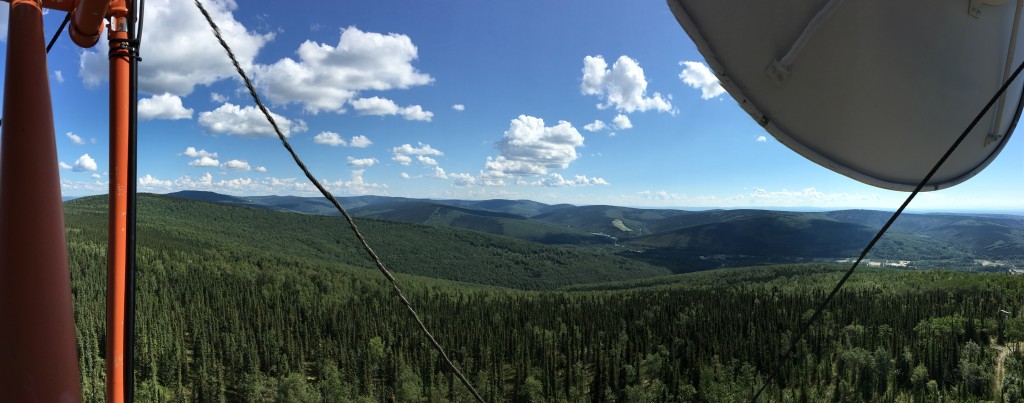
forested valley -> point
(237, 305)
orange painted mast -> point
(87, 21)
(118, 207)
(38, 359)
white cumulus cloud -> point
(63, 165)
(424, 160)
(358, 185)
(809, 196)
(529, 147)
(402, 159)
(762, 139)
(180, 50)
(596, 126)
(149, 181)
(59, 76)
(403, 153)
(362, 162)
(360, 141)
(204, 162)
(378, 106)
(333, 139)
(459, 107)
(661, 195)
(187, 182)
(326, 76)
(261, 169)
(247, 122)
(75, 138)
(622, 122)
(193, 153)
(500, 167)
(462, 179)
(163, 106)
(556, 180)
(699, 76)
(237, 183)
(622, 87)
(236, 165)
(330, 139)
(423, 149)
(486, 180)
(84, 163)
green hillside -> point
(524, 208)
(686, 241)
(213, 197)
(999, 239)
(715, 216)
(991, 236)
(603, 219)
(790, 236)
(491, 222)
(244, 304)
(766, 236)
(420, 211)
(759, 237)
(219, 324)
(432, 251)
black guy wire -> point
(821, 307)
(327, 194)
(56, 35)
(134, 17)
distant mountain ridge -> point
(681, 239)
(176, 224)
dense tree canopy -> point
(241, 320)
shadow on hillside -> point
(681, 261)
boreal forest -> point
(246, 303)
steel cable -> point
(327, 194)
(835, 290)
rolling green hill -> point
(524, 208)
(319, 205)
(686, 241)
(769, 235)
(714, 216)
(782, 234)
(213, 197)
(993, 236)
(491, 222)
(616, 221)
(433, 251)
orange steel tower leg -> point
(38, 361)
(119, 103)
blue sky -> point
(453, 99)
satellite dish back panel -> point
(874, 90)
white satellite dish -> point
(874, 90)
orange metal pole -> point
(87, 21)
(38, 359)
(118, 208)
